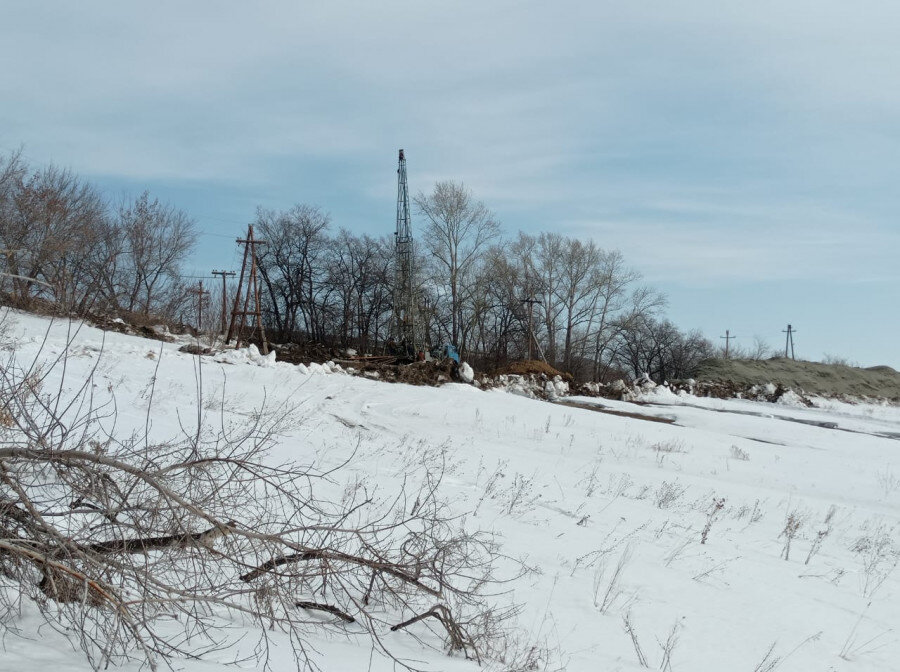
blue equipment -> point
(446, 351)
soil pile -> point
(304, 353)
(432, 373)
(532, 367)
(155, 332)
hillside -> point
(737, 535)
(832, 380)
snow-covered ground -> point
(598, 516)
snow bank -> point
(661, 394)
(251, 355)
(533, 386)
(568, 489)
(248, 355)
(792, 399)
(556, 388)
(316, 369)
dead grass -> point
(832, 380)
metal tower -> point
(403, 327)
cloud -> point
(706, 141)
(705, 243)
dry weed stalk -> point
(612, 591)
(792, 525)
(639, 652)
(717, 505)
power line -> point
(217, 235)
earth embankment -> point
(832, 380)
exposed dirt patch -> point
(194, 349)
(304, 353)
(433, 373)
(157, 333)
(622, 414)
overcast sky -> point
(743, 156)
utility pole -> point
(727, 338)
(789, 340)
(530, 300)
(225, 275)
(426, 323)
(199, 291)
(250, 244)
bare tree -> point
(500, 325)
(294, 267)
(359, 272)
(156, 240)
(761, 349)
(12, 175)
(546, 266)
(458, 231)
(51, 222)
(617, 303)
(659, 349)
(579, 291)
(62, 248)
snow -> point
(248, 355)
(791, 398)
(567, 492)
(466, 374)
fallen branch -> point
(331, 609)
(318, 554)
(459, 641)
(145, 544)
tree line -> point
(497, 297)
(66, 248)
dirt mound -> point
(107, 323)
(428, 373)
(527, 367)
(304, 353)
(887, 370)
(195, 349)
(830, 380)
(433, 373)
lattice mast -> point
(404, 332)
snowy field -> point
(598, 516)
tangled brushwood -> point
(141, 549)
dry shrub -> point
(117, 539)
(668, 494)
(737, 453)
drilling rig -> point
(403, 331)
